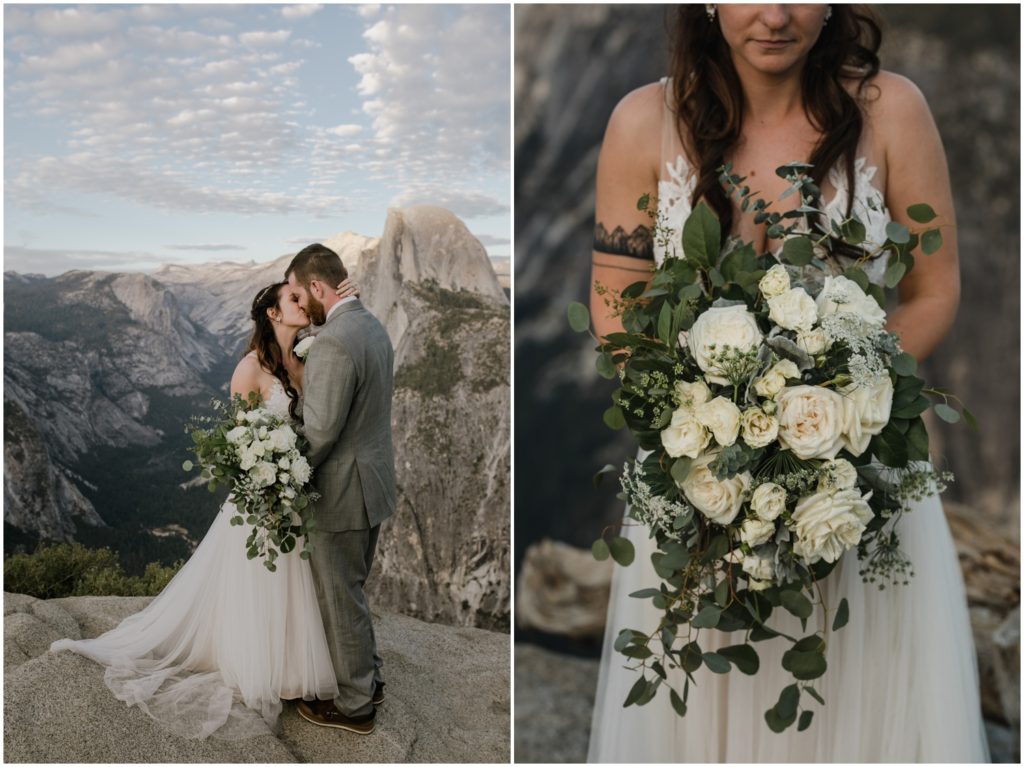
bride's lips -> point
(773, 45)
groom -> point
(347, 414)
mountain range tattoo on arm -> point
(639, 244)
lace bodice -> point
(677, 181)
(277, 401)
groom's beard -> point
(316, 312)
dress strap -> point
(671, 145)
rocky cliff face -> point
(101, 371)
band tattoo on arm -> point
(639, 244)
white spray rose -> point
(722, 417)
(759, 429)
(719, 327)
(838, 474)
(718, 500)
(841, 295)
(826, 524)
(775, 282)
(793, 310)
(282, 439)
(754, 531)
(866, 411)
(684, 435)
(768, 501)
(264, 474)
(814, 341)
(692, 393)
(301, 470)
(302, 347)
(259, 448)
(285, 463)
(248, 458)
(774, 379)
(239, 436)
(288, 492)
(811, 421)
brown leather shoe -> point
(378, 693)
(326, 714)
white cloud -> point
(368, 11)
(463, 203)
(52, 261)
(345, 130)
(76, 21)
(300, 11)
(265, 38)
(205, 247)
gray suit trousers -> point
(341, 561)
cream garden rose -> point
(721, 417)
(841, 295)
(774, 379)
(718, 500)
(720, 327)
(768, 501)
(826, 524)
(775, 282)
(793, 310)
(754, 531)
(811, 421)
(685, 435)
(758, 428)
(814, 341)
(866, 411)
(838, 474)
(692, 393)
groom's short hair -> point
(317, 262)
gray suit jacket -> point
(348, 384)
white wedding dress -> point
(902, 680)
(224, 642)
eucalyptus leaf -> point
(614, 417)
(789, 699)
(717, 663)
(600, 550)
(579, 317)
(677, 703)
(798, 251)
(707, 618)
(622, 551)
(897, 232)
(702, 236)
(690, 657)
(931, 241)
(842, 615)
(805, 720)
(605, 366)
(946, 413)
(904, 364)
(921, 213)
(796, 603)
(743, 657)
(895, 273)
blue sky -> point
(141, 135)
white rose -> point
(754, 531)
(774, 379)
(684, 435)
(262, 432)
(259, 448)
(288, 492)
(839, 474)
(301, 470)
(840, 295)
(284, 463)
(775, 282)
(866, 411)
(252, 416)
(283, 478)
(762, 570)
(264, 473)
(248, 458)
(282, 439)
(811, 421)
(793, 310)
(759, 428)
(756, 585)
(813, 341)
(302, 347)
(692, 393)
(718, 500)
(768, 501)
(239, 435)
(722, 417)
(827, 524)
(721, 327)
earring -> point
(828, 15)
(712, 9)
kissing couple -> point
(227, 640)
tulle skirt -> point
(223, 643)
(901, 684)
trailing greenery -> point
(72, 570)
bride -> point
(227, 640)
(761, 86)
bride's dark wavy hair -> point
(709, 95)
(264, 342)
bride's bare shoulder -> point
(247, 376)
(635, 123)
(894, 106)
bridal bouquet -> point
(783, 424)
(258, 453)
